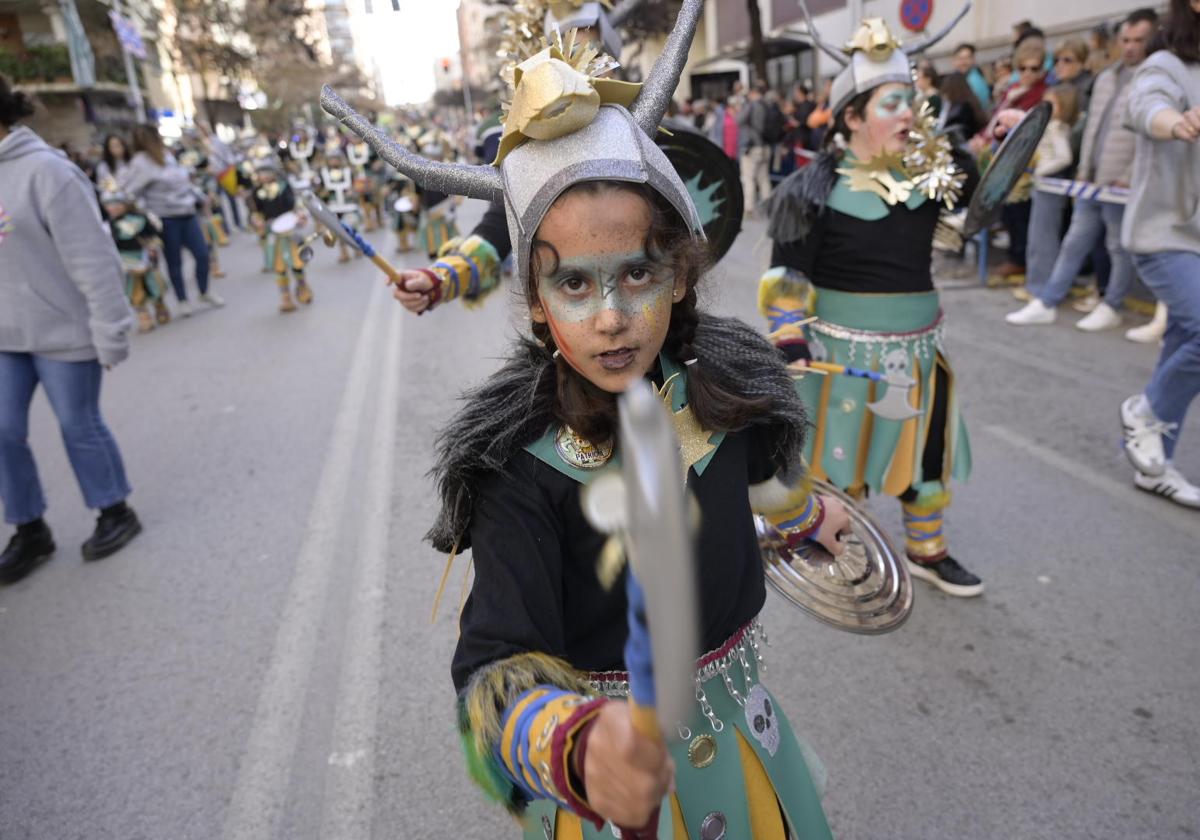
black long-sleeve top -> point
(888, 255)
(535, 558)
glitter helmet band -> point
(873, 57)
(537, 173)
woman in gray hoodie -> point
(63, 317)
(164, 188)
(1162, 231)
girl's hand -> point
(834, 527)
(1006, 120)
(412, 290)
(626, 774)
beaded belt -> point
(924, 341)
(747, 642)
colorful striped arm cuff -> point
(539, 731)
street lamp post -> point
(135, 89)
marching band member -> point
(137, 239)
(275, 206)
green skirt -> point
(851, 446)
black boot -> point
(115, 527)
(29, 548)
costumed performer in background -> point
(853, 235)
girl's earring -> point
(557, 354)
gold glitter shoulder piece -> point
(926, 166)
(929, 159)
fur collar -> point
(800, 198)
(514, 407)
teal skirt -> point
(852, 447)
(739, 747)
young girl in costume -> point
(610, 248)
(137, 240)
(853, 235)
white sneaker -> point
(1033, 313)
(1170, 485)
(1143, 436)
(184, 309)
(1103, 317)
(1152, 332)
(212, 299)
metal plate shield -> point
(1008, 165)
(866, 590)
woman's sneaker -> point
(947, 575)
(1170, 485)
(1143, 436)
(212, 299)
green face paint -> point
(894, 103)
(582, 287)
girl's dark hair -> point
(108, 155)
(591, 411)
(857, 105)
(147, 139)
(14, 105)
(957, 90)
(1181, 34)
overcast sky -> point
(406, 43)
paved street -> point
(260, 663)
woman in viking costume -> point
(610, 248)
(527, 23)
(853, 235)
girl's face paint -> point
(884, 129)
(607, 302)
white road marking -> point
(1124, 492)
(350, 784)
(264, 774)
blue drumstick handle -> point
(639, 658)
(363, 244)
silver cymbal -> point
(866, 590)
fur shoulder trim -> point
(800, 198)
(513, 408)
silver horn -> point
(920, 46)
(450, 178)
(814, 36)
(651, 104)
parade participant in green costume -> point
(853, 235)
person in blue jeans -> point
(1162, 230)
(164, 188)
(1106, 159)
(63, 319)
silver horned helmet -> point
(872, 57)
(616, 145)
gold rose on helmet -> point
(558, 91)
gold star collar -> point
(694, 441)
